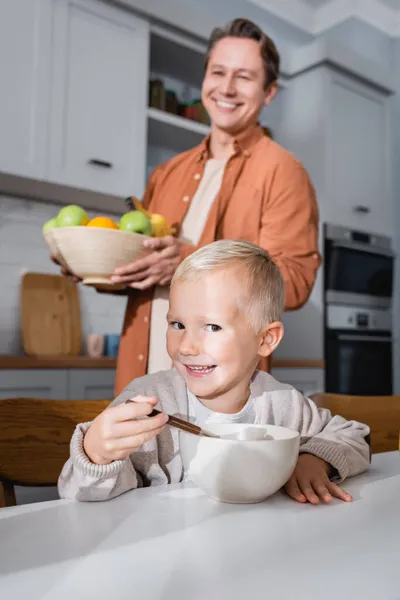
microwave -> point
(358, 268)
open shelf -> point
(174, 57)
(166, 130)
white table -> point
(173, 543)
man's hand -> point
(155, 269)
(117, 431)
(310, 482)
(65, 271)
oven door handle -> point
(364, 338)
(379, 250)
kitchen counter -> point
(297, 363)
(56, 362)
(87, 362)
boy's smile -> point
(199, 371)
(210, 340)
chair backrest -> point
(380, 413)
(34, 439)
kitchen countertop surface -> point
(87, 362)
(56, 362)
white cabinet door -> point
(99, 97)
(25, 51)
(91, 384)
(306, 381)
(34, 383)
(358, 156)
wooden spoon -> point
(184, 425)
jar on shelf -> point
(171, 102)
(157, 95)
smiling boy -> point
(225, 307)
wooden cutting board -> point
(50, 315)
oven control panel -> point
(362, 319)
(358, 319)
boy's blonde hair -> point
(263, 291)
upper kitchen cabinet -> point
(99, 98)
(335, 118)
(25, 50)
(359, 155)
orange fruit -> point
(103, 222)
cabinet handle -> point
(361, 209)
(100, 163)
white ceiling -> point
(316, 16)
(316, 3)
(392, 3)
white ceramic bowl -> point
(240, 472)
(93, 253)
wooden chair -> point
(380, 413)
(34, 440)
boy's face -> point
(210, 340)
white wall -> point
(22, 248)
(220, 12)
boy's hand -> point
(117, 431)
(310, 482)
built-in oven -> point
(358, 268)
(358, 351)
(358, 288)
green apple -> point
(71, 216)
(52, 224)
(135, 221)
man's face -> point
(234, 89)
